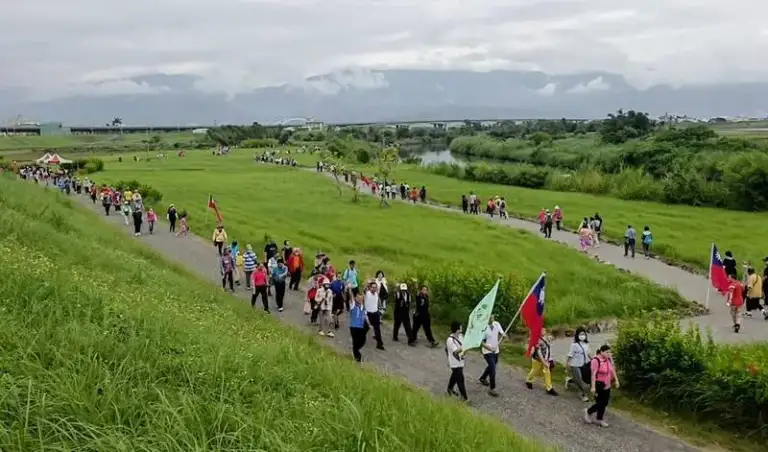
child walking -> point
(183, 227)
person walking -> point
(351, 281)
(295, 267)
(547, 224)
(259, 282)
(490, 349)
(250, 261)
(730, 266)
(541, 365)
(287, 250)
(171, 215)
(402, 314)
(138, 217)
(219, 238)
(324, 304)
(106, 202)
(603, 373)
(754, 290)
(371, 301)
(630, 235)
(358, 327)
(455, 352)
(381, 282)
(647, 241)
(337, 287)
(126, 209)
(422, 318)
(151, 219)
(227, 267)
(577, 364)
(557, 217)
(279, 275)
(734, 299)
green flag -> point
(478, 319)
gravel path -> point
(554, 420)
(689, 285)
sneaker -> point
(434, 344)
(748, 314)
(483, 382)
(568, 382)
(736, 328)
(493, 393)
(452, 392)
(279, 309)
(584, 398)
(394, 339)
(602, 424)
(330, 334)
(381, 347)
(321, 333)
(552, 392)
(529, 385)
(411, 344)
(765, 314)
(587, 416)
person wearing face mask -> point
(577, 364)
(490, 348)
(541, 364)
(603, 373)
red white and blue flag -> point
(717, 275)
(533, 313)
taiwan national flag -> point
(212, 205)
(717, 274)
(532, 312)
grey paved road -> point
(555, 420)
(691, 286)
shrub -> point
(148, 194)
(681, 371)
(259, 143)
(455, 290)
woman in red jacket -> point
(260, 283)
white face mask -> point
(582, 337)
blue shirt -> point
(337, 287)
(249, 261)
(357, 317)
(350, 277)
(279, 274)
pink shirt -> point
(604, 369)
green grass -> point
(682, 234)
(257, 200)
(108, 347)
(17, 143)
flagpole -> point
(709, 275)
(543, 274)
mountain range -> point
(391, 95)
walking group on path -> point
(417, 366)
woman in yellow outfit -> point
(541, 364)
(219, 238)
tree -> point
(386, 162)
(620, 127)
(541, 139)
(117, 122)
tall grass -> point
(107, 347)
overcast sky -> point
(65, 46)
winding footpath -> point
(689, 285)
(552, 420)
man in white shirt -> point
(455, 351)
(490, 349)
(371, 303)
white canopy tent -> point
(52, 159)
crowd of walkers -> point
(748, 294)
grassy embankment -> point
(106, 346)
(258, 200)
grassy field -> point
(16, 144)
(108, 347)
(683, 234)
(258, 200)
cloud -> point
(596, 84)
(548, 89)
(234, 46)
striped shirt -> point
(249, 261)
